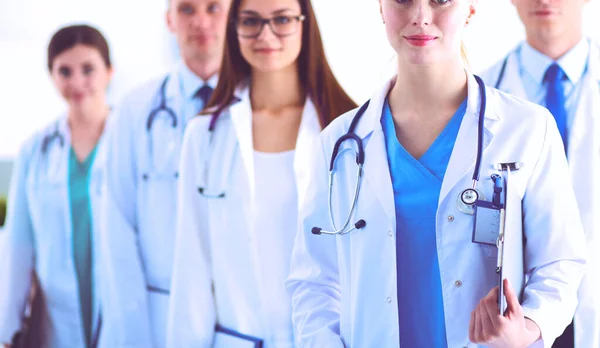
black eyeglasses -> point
(252, 26)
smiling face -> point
(425, 32)
(273, 46)
(199, 26)
(81, 76)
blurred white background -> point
(142, 48)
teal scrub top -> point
(81, 220)
(417, 184)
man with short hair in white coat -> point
(559, 68)
(139, 203)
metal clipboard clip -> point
(506, 168)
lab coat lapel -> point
(511, 81)
(174, 98)
(95, 192)
(377, 172)
(306, 144)
(241, 117)
(376, 169)
(63, 176)
(57, 154)
(464, 154)
(584, 121)
(584, 146)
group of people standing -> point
(199, 204)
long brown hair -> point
(316, 76)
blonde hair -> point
(463, 53)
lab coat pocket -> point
(158, 201)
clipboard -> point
(228, 338)
(511, 254)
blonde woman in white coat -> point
(410, 269)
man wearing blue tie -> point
(559, 68)
(141, 173)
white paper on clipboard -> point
(513, 266)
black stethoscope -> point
(502, 73)
(56, 135)
(466, 199)
(204, 190)
(161, 108)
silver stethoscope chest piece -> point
(467, 198)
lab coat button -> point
(458, 283)
(450, 218)
(389, 300)
(390, 233)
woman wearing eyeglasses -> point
(242, 175)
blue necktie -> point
(555, 99)
(204, 94)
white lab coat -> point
(584, 165)
(139, 214)
(38, 235)
(216, 241)
(344, 288)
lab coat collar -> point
(594, 62)
(462, 159)
(576, 60)
(183, 83)
(511, 80)
(241, 118)
(371, 120)
(62, 124)
(63, 128)
(573, 63)
(464, 154)
(588, 100)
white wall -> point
(134, 28)
(353, 33)
(361, 57)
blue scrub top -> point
(81, 220)
(417, 184)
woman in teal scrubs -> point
(52, 210)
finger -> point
(472, 327)
(491, 306)
(487, 328)
(512, 301)
(478, 328)
(492, 292)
